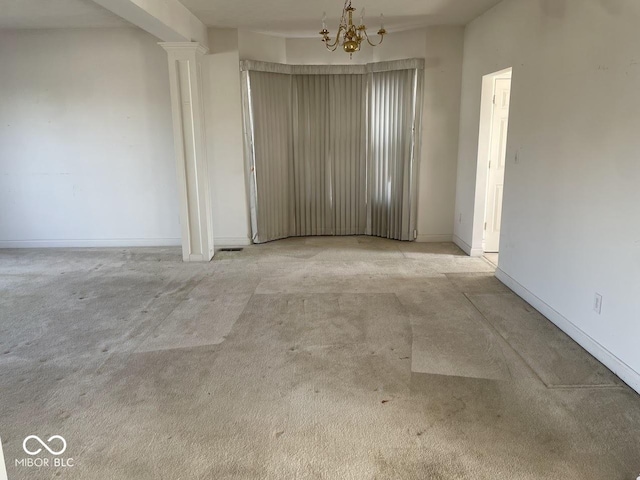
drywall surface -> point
(225, 149)
(440, 121)
(257, 46)
(86, 150)
(570, 219)
(441, 48)
(311, 51)
(222, 40)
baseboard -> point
(608, 359)
(92, 243)
(434, 238)
(466, 248)
(118, 242)
(231, 242)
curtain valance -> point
(256, 66)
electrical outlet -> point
(597, 303)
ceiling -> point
(303, 17)
(299, 18)
(56, 14)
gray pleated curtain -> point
(394, 120)
(332, 153)
(272, 169)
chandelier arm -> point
(331, 48)
(334, 45)
(370, 42)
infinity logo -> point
(37, 439)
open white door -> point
(497, 159)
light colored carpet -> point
(322, 358)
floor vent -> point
(231, 249)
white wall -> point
(311, 51)
(570, 221)
(224, 129)
(257, 46)
(441, 48)
(86, 151)
(222, 40)
(441, 117)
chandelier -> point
(350, 36)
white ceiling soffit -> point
(298, 18)
(56, 14)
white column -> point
(185, 77)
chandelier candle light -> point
(349, 35)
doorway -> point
(492, 159)
(496, 162)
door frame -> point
(484, 152)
